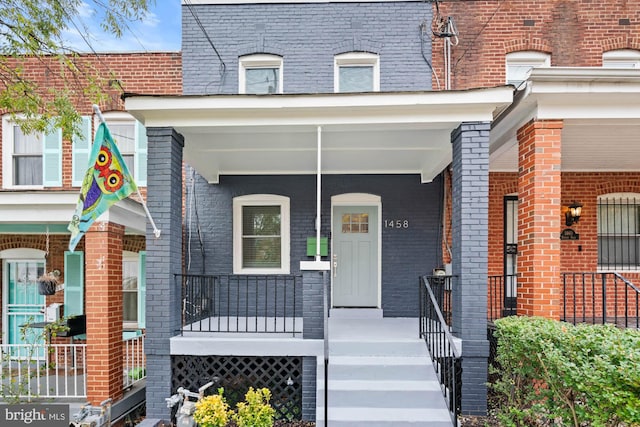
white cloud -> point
(159, 30)
(150, 19)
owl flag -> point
(107, 180)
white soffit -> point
(361, 133)
(37, 207)
(600, 108)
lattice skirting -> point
(237, 373)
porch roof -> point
(600, 108)
(362, 133)
(19, 210)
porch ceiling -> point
(600, 108)
(382, 133)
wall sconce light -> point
(572, 215)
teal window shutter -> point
(142, 288)
(81, 149)
(52, 159)
(141, 155)
(73, 283)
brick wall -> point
(307, 36)
(574, 32)
(575, 255)
(144, 73)
(406, 253)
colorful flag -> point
(107, 180)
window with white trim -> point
(30, 160)
(356, 72)
(261, 234)
(619, 232)
(133, 287)
(621, 58)
(260, 74)
(131, 138)
(520, 64)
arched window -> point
(621, 58)
(260, 74)
(261, 234)
(520, 64)
(356, 72)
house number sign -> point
(396, 223)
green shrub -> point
(255, 411)
(212, 411)
(555, 373)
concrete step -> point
(403, 348)
(379, 375)
(397, 417)
(382, 398)
(379, 372)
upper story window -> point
(356, 72)
(131, 138)
(619, 232)
(30, 160)
(621, 58)
(27, 158)
(520, 64)
(260, 74)
(261, 234)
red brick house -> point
(104, 278)
(570, 136)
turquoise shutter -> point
(142, 288)
(52, 159)
(73, 283)
(81, 148)
(141, 155)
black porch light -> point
(572, 215)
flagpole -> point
(156, 231)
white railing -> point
(43, 370)
(135, 363)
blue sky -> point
(159, 31)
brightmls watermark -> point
(34, 415)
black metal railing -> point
(434, 329)
(502, 296)
(235, 303)
(600, 298)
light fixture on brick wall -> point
(572, 215)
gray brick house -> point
(311, 203)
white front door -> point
(355, 256)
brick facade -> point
(103, 300)
(149, 73)
(307, 36)
(538, 221)
(103, 246)
(573, 32)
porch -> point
(31, 371)
(586, 297)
